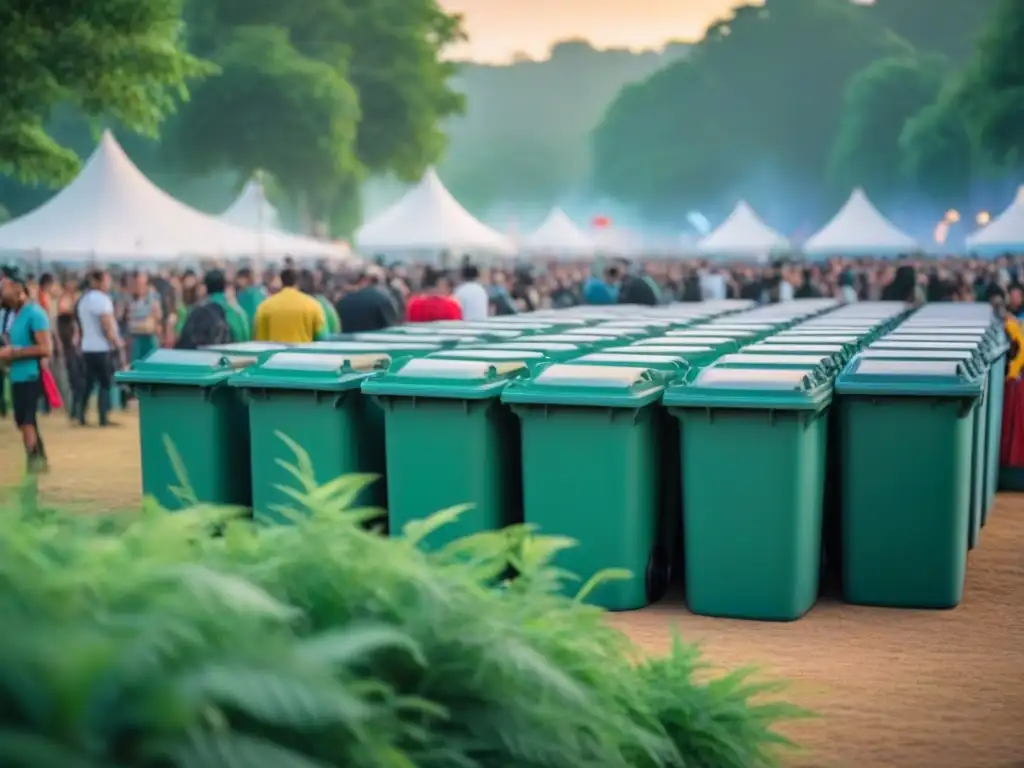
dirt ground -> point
(892, 688)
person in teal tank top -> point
(248, 295)
(145, 317)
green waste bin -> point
(246, 348)
(907, 432)
(187, 414)
(314, 400)
(449, 441)
(590, 440)
(395, 349)
(724, 344)
(839, 351)
(579, 339)
(440, 340)
(741, 335)
(528, 358)
(694, 354)
(752, 525)
(474, 334)
(669, 364)
(551, 349)
(977, 366)
(825, 363)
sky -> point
(500, 28)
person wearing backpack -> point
(216, 291)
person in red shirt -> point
(434, 301)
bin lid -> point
(918, 354)
(641, 360)
(250, 348)
(530, 345)
(737, 325)
(791, 389)
(311, 371)
(577, 384)
(493, 354)
(350, 347)
(887, 343)
(682, 350)
(944, 330)
(184, 367)
(908, 378)
(421, 338)
(732, 333)
(776, 361)
(599, 332)
(700, 341)
(809, 348)
(425, 330)
(811, 338)
(570, 338)
(432, 377)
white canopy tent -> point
(254, 212)
(859, 230)
(558, 235)
(111, 211)
(251, 208)
(742, 234)
(1004, 233)
(429, 219)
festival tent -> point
(859, 230)
(1004, 233)
(111, 211)
(253, 211)
(742, 234)
(560, 236)
(429, 219)
(251, 208)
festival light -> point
(941, 232)
(952, 217)
(983, 218)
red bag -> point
(50, 390)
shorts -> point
(25, 397)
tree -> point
(950, 29)
(540, 113)
(992, 89)
(388, 52)
(877, 104)
(755, 106)
(272, 108)
(121, 60)
(938, 154)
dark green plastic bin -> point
(449, 441)
(753, 477)
(187, 413)
(314, 400)
(694, 354)
(246, 348)
(591, 472)
(553, 350)
(907, 435)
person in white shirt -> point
(713, 286)
(100, 342)
(471, 295)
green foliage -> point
(877, 104)
(143, 640)
(271, 108)
(736, 108)
(540, 113)
(120, 60)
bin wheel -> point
(659, 574)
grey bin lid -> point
(497, 355)
(909, 378)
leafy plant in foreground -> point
(144, 641)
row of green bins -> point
(752, 525)
(600, 423)
(383, 337)
(997, 349)
(907, 435)
(246, 349)
(450, 441)
(971, 360)
(308, 407)
(973, 346)
(193, 429)
(476, 333)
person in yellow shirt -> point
(289, 316)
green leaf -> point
(235, 750)
(29, 750)
(353, 644)
(602, 577)
(415, 531)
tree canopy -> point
(123, 59)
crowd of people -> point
(64, 334)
